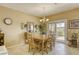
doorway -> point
(59, 30)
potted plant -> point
(43, 28)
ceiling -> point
(36, 9)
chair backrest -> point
(25, 35)
(51, 37)
(30, 38)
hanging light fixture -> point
(44, 18)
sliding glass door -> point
(58, 29)
(60, 32)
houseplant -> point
(43, 28)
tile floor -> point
(3, 50)
(58, 49)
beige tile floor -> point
(58, 49)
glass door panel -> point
(60, 31)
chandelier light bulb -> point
(47, 19)
(40, 20)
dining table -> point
(40, 39)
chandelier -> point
(44, 19)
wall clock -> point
(8, 21)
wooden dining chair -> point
(25, 38)
(50, 42)
(44, 47)
(32, 46)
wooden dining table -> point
(40, 39)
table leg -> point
(42, 48)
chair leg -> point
(33, 51)
(42, 48)
(46, 50)
(29, 49)
(51, 47)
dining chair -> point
(25, 38)
(44, 44)
(32, 46)
(51, 41)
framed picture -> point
(36, 28)
(74, 24)
(30, 26)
